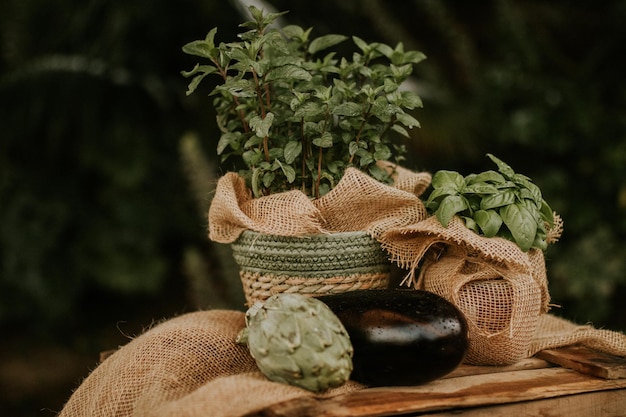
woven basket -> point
(309, 265)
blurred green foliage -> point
(93, 198)
(92, 109)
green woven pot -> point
(310, 265)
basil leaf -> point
(506, 184)
(521, 223)
(546, 213)
(487, 176)
(471, 224)
(438, 193)
(448, 179)
(497, 200)
(504, 168)
(525, 183)
(489, 222)
(540, 243)
(525, 194)
(448, 207)
(480, 188)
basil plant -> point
(502, 203)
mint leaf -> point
(324, 42)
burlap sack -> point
(189, 366)
(501, 290)
(502, 305)
(357, 203)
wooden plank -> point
(524, 364)
(587, 361)
(610, 403)
(448, 394)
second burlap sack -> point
(501, 290)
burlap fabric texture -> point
(190, 366)
(501, 290)
(357, 203)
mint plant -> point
(503, 203)
(296, 113)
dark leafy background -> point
(102, 186)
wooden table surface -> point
(571, 382)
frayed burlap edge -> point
(408, 245)
(554, 332)
(357, 203)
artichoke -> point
(299, 341)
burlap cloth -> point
(358, 202)
(187, 366)
(191, 366)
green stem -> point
(242, 115)
(319, 173)
(305, 154)
(358, 135)
(259, 93)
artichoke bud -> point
(299, 341)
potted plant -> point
(295, 118)
(482, 249)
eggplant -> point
(400, 337)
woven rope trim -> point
(263, 242)
(260, 286)
(312, 256)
